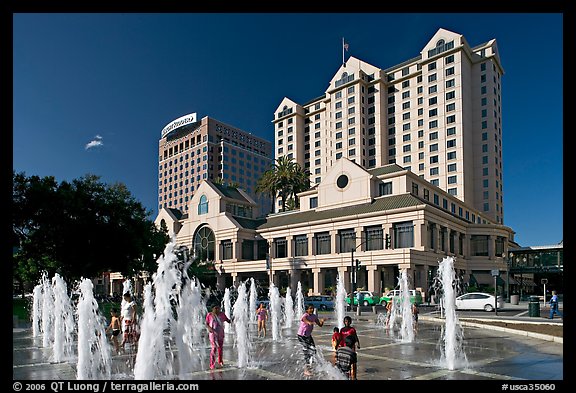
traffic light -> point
(387, 241)
(358, 263)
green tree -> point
(284, 180)
(80, 229)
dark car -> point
(320, 302)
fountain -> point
(37, 311)
(299, 311)
(253, 300)
(227, 310)
(243, 341)
(158, 324)
(94, 358)
(452, 334)
(407, 327)
(63, 321)
(275, 311)
(340, 303)
(47, 311)
(190, 323)
(288, 309)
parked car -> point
(367, 298)
(478, 301)
(322, 302)
(415, 296)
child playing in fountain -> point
(215, 324)
(346, 358)
(128, 320)
(336, 339)
(114, 327)
(262, 314)
(307, 322)
(415, 312)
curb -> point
(546, 337)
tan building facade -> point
(352, 208)
(191, 151)
(438, 115)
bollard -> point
(358, 312)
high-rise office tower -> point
(438, 114)
(191, 151)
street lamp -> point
(509, 265)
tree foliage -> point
(80, 229)
(284, 180)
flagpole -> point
(343, 62)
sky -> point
(92, 91)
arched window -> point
(440, 43)
(203, 205)
(204, 244)
(344, 75)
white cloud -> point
(97, 141)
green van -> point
(415, 296)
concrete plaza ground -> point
(492, 353)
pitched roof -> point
(378, 205)
(249, 223)
(230, 192)
(384, 170)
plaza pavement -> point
(492, 353)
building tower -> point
(191, 151)
(437, 115)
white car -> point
(478, 301)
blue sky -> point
(93, 91)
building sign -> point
(179, 122)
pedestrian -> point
(307, 322)
(554, 306)
(128, 314)
(347, 359)
(262, 314)
(115, 328)
(215, 324)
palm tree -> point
(284, 180)
(266, 184)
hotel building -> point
(406, 165)
(437, 114)
(191, 151)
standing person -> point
(346, 358)
(128, 315)
(336, 339)
(415, 312)
(389, 306)
(554, 306)
(115, 328)
(349, 331)
(262, 314)
(305, 335)
(215, 324)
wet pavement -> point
(492, 354)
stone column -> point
(373, 278)
(318, 281)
